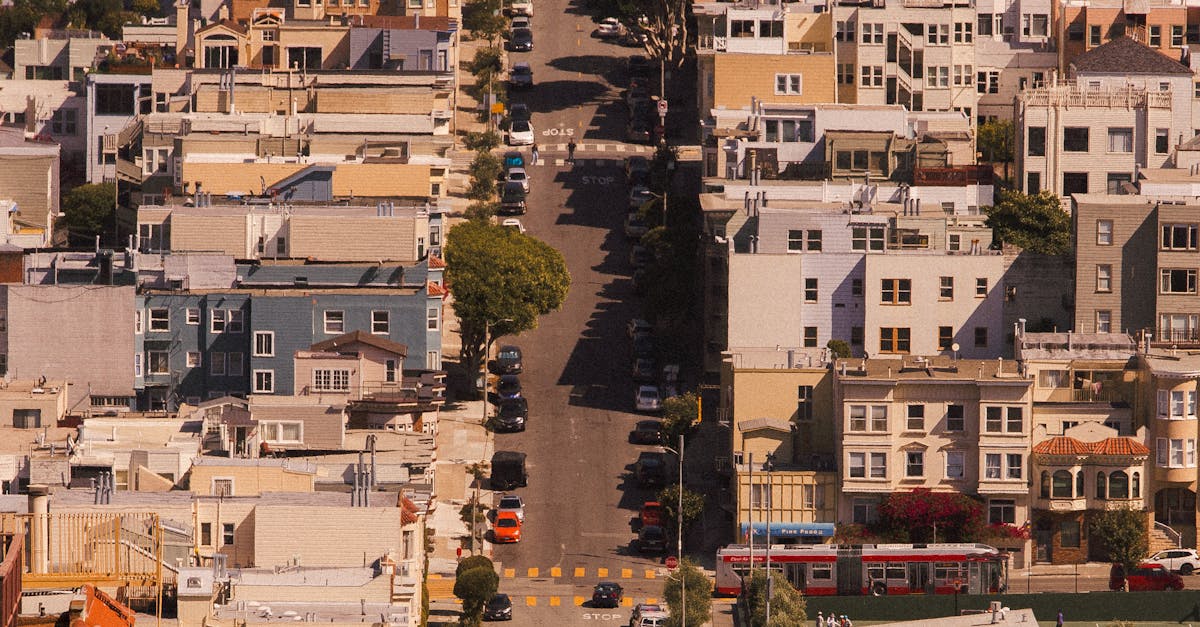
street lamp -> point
(487, 358)
(679, 536)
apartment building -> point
(113, 102)
(1015, 49)
(1167, 394)
(779, 405)
(1168, 26)
(953, 425)
(1124, 107)
(778, 52)
(30, 172)
(59, 54)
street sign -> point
(662, 106)
(497, 107)
(672, 563)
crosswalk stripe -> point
(509, 573)
(533, 572)
(579, 572)
(602, 572)
(556, 572)
(578, 601)
(650, 574)
(627, 602)
(531, 601)
(555, 601)
(651, 601)
(626, 573)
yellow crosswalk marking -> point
(627, 602)
(556, 572)
(602, 572)
(578, 601)
(579, 572)
(533, 572)
(555, 601)
(531, 601)
(650, 574)
(626, 573)
(509, 573)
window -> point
(282, 432)
(914, 464)
(858, 417)
(335, 322)
(1104, 232)
(328, 380)
(760, 496)
(27, 418)
(788, 84)
(1003, 420)
(1013, 465)
(1075, 139)
(871, 75)
(235, 363)
(160, 320)
(916, 418)
(390, 371)
(192, 316)
(945, 338)
(233, 321)
(216, 363)
(205, 534)
(937, 34)
(1068, 534)
(1175, 453)
(1104, 321)
(1120, 139)
(1179, 237)
(795, 241)
(856, 336)
(991, 466)
(222, 487)
(1161, 141)
(864, 238)
(814, 240)
(804, 402)
(1101, 490)
(845, 73)
(264, 343)
(64, 122)
(987, 82)
(1177, 404)
(878, 465)
(810, 337)
(1118, 485)
(896, 291)
(1177, 36)
(1002, 511)
(845, 30)
(981, 337)
(1037, 141)
(226, 534)
(946, 288)
(955, 463)
(858, 465)
(380, 322)
(217, 321)
(981, 287)
(963, 74)
(879, 421)
(1155, 36)
(1094, 35)
(1177, 281)
(810, 290)
(432, 318)
(954, 242)
(866, 512)
(193, 359)
(114, 99)
(963, 32)
(894, 340)
(264, 381)
(159, 362)
(1033, 182)
(937, 76)
(137, 364)
(1104, 277)
(856, 287)
(1034, 24)
(872, 33)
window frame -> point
(381, 327)
(263, 374)
(897, 339)
(334, 321)
(158, 320)
(269, 336)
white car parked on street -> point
(1183, 561)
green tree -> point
(913, 517)
(1122, 533)
(788, 608)
(501, 278)
(481, 210)
(87, 212)
(995, 140)
(484, 18)
(669, 297)
(690, 580)
(1035, 222)
(149, 8)
(473, 561)
(475, 586)
(472, 514)
(693, 507)
(838, 349)
(679, 414)
(484, 171)
(485, 141)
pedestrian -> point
(535, 153)
(1060, 619)
(571, 151)
(820, 616)
(846, 622)
(831, 620)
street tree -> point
(473, 561)
(481, 210)
(917, 515)
(484, 18)
(1122, 533)
(995, 140)
(484, 171)
(690, 580)
(788, 608)
(475, 586)
(1035, 222)
(665, 27)
(693, 507)
(473, 514)
(679, 414)
(87, 212)
(500, 280)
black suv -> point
(651, 469)
(512, 198)
(512, 415)
(507, 361)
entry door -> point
(795, 574)
(974, 578)
(1045, 545)
(919, 579)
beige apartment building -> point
(1168, 26)
(1167, 402)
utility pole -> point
(770, 490)
(679, 540)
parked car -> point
(635, 165)
(512, 503)
(635, 226)
(1144, 577)
(609, 28)
(648, 615)
(520, 133)
(513, 158)
(1182, 561)
(639, 196)
(646, 432)
(508, 360)
(498, 608)
(652, 539)
(512, 415)
(643, 369)
(652, 514)
(520, 76)
(607, 594)
(643, 345)
(520, 21)
(638, 326)
(651, 469)
(522, 7)
(633, 39)
(508, 387)
(521, 40)
(513, 223)
(512, 199)
(517, 112)
(506, 528)
(518, 175)
(648, 398)
(508, 470)
(640, 257)
(639, 132)
(640, 65)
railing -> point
(13, 552)
(1072, 95)
(1170, 533)
(70, 549)
(712, 43)
(956, 176)
(1084, 395)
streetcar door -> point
(974, 578)
(795, 573)
(849, 571)
(920, 579)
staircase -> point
(440, 587)
(1162, 538)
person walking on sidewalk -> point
(571, 151)
(1060, 619)
(535, 153)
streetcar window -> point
(946, 571)
(822, 571)
(874, 570)
(895, 571)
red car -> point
(1144, 577)
(652, 514)
(507, 527)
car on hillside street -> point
(498, 608)
(512, 503)
(520, 133)
(646, 432)
(609, 28)
(1182, 561)
(607, 594)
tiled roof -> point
(408, 510)
(361, 337)
(1119, 446)
(435, 290)
(1126, 56)
(1061, 445)
(436, 262)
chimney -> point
(39, 509)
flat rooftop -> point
(918, 369)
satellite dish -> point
(954, 347)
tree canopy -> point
(1122, 533)
(501, 278)
(1035, 222)
(699, 594)
(484, 18)
(995, 140)
(693, 507)
(912, 516)
(475, 585)
(87, 212)
(679, 413)
(788, 608)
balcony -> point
(1072, 95)
(959, 176)
(12, 561)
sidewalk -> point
(461, 442)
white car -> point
(609, 27)
(512, 503)
(520, 21)
(513, 223)
(1185, 561)
(520, 133)
(648, 398)
(522, 7)
(518, 175)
